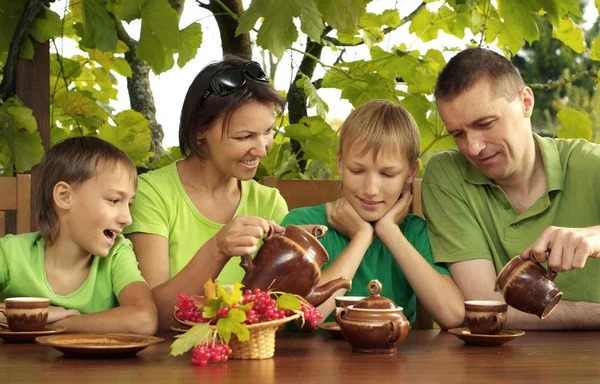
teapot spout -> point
(320, 294)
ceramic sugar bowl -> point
(373, 325)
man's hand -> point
(343, 218)
(565, 248)
(396, 215)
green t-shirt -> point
(378, 262)
(162, 207)
(469, 217)
(22, 273)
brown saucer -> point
(332, 328)
(28, 337)
(99, 345)
(179, 329)
(500, 338)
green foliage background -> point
(83, 86)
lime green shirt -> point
(470, 217)
(378, 262)
(162, 207)
(22, 273)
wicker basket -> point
(262, 339)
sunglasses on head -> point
(232, 79)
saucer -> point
(28, 337)
(500, 338)
(179, 329)
(332, 328)
(99, 345)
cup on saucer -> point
(25, 314)
(485, 317)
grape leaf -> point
(150, 50)
(126, 10)
(571, 34)
(131, 134)
(311, 94)
(99, 30)
(210, 290)
(233, 324)
(162, 22)
(519, 24)
(343, 15)
(575, 124)
(288, 301)
(45, 26)
(190, 40)
(233, 297)
(198, 334)
(595, 51)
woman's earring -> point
(199, 141)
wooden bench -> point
(306, 193)
(15, 196)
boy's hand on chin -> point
(59, 313)
(343, 218)
(396, 215)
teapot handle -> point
(396, 333)
(247, 263)
(550, 273)
(339, 314)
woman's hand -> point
(59, 313)
(343, 218)
(241, 235)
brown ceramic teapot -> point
(374, 324)
(291, 262)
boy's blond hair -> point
(74, 161)
(381, 124)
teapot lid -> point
(375, 301)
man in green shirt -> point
(506, 191)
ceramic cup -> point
(25, 314)
(485, 317)
(528, 287)
(346, 301)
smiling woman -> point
(192, 217)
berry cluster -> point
(263, 307)
(189, 311)
(216, 352)
(311, 315)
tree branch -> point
(8, 85)
(564, 80)
(385, 31)
(202, 5)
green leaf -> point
(121, 66)
(150, 50)
(234, 296)
(389, 17)
(236, 315)
(288, 301)
(278, 32)
(595, 51)
(313, 97)
(426, 24)
(198, 334)
(575, 125)
(519, 24)
(99, 30)
(24, 118)
(227, 326)
(45, 26)
(162, 21)
(190, 38)
(75, 103)
(131, 134)
(126, 10)
(343, 15)
(5, 155)
(571, 34)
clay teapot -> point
(373, 325)
(291, 262)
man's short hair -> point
(470, 66)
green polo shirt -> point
(378, 262)
(469, 217)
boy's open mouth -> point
(109, 234)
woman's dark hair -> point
(198, 112)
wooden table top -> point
(425, 356)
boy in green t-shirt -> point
(371, 235)
(79, 259)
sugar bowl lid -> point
(375, 301)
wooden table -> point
(425, 356)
